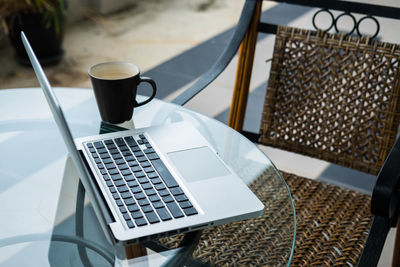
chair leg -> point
(243, 72)
(396, 251)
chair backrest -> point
(333, 97)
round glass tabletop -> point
(38, 190)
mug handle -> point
(153, 85)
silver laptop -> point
(150, 182)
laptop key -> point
(114, 151)
(130, 141)
(136, 168)
(123, 167)
(124, 148)
(122, 209)
(130, 224)
(120, 161)
(141, 136)
(123, 188)
(130, 158)
(116, 156)
(140, 195)
(143, 202)
(126, 153)
(98, 144)
(185, 204)
(133, 163)
(100, 166)
(154, 198)
(137, 214)
(127, 217)
(176, 191)
(129, 201)
(156, 181)
(92, 150)
(133, 208)
(138, 154)
(163, 192)
(116, 196)
(89, 145)
(140, 222)
(102, 150)
(126, 172)
(119, 141)
(148, 150)
(159, 186)
(152, 217)
(147, 208)
(129, 178)
(113, 171)
(107, 160)
(174, 209)
(147, 186)
(152, 175)
(136, 189)
(143, 180)
(139, 174)
(158, 204)
(97, 160)
(168, 199)
(180, 198)
(135, 148)
(163, 213)
(104, 155)
(110, 166)
(148, 145)
(190, 211)
(119, 182)
(113, 190)
(133, 183)
(150, 192)
(153, 156)
(164, 173)
(148, 169)
(111, 146)
(106, 177)
(142, 159)
(108, 142)
(119, 202)
(126, 195)
(103, 172)
(116, 177)
(109, 183)
(145, 164)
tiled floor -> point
(174, 42)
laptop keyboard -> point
(140, 183)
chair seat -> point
(332, 222)
(332, 226)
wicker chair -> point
(331, 97)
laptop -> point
(151, 182)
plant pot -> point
(46, 41)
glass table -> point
(39, 187)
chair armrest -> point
(384, 206)
(386, 195)
(226, 56)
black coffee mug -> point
(115, 88)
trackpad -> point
(198, 164)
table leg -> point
(135, 251)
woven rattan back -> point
(333, 97)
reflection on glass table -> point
(39, 188)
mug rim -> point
(112, 62)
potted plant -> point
(43, 22)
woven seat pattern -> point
(332, 97)
(332, 223)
